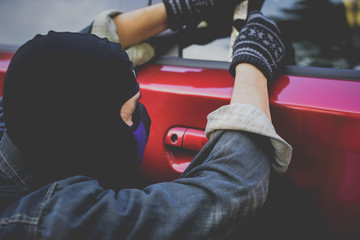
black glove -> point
(259, 44)
(189, 13)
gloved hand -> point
(190, 13)
(259, 44)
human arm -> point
(210, 199)
(258, 52)
(141, 24)
(135, 28)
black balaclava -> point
(62, 98)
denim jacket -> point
(222, 188)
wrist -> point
(248, 58)
(243, 71)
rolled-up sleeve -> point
(248, 118)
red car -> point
(315, 106)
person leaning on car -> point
(75, 134)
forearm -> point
(141, 24)
(250, 87)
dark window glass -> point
(323, 33)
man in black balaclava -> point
(63, 94)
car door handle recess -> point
(187, 138)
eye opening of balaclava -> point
(62, 98)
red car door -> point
(315, 107)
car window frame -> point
(304, 71)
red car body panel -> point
(319, 117)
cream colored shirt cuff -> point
(248, 118)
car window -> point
(323, 33)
